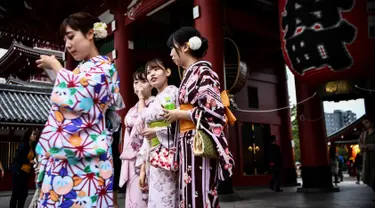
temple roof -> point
(348, 134)
(18, 55)
(24, 104)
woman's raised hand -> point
(48, 62)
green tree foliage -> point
(295, 133)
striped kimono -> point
(198, 177)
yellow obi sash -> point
(155, 141)
(27, 167)
(189, 125)
(186, 125)
(225, 99)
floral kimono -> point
(132, 144)
(198, 176)
(162, 184)
(76, 167)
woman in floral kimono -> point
(199, 92)
(133, 141)
(76, 168)
(161, 182)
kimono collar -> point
(198, 63)
(95, 59)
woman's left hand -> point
(171, 115)
(48, 62)
(149, 133)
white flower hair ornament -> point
(195, 43)
(100, 30)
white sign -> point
(196, 12)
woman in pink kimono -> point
(133, 140)
(76, 167)
(162, 183)
(199, 93)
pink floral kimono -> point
(76, 168)
(162, 184)
(132, 143)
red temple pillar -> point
(210, 25)
(123, 59)
(286, 137)
(315, 166)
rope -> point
(364, 89)
(277, 109)
(303, 118)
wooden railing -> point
(7, 152)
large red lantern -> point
(324, 40)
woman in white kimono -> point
(161, 183)
(133, 141)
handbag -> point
(160, 156)
(202, 143)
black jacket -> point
(275, 156)
(21, 157)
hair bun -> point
(195, 43)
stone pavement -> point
(350, 195)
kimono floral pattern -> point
(198, 177)
(76, 166)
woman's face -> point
(77, 44)
(157, 76)
(33, 136)
(144, 84)
(179, 54)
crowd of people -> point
(174, 149)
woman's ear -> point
(90, 34)
(185, 48)
(168, 72)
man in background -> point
(276, 164)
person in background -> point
(341, 167)
(334, 163)
(21, 168)
(358, 166)
(1, 170)
(276, 164)
(369, 148)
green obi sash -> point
(155, 141)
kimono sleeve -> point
(208, 101)
(213, 118)
(84, 93)
(142, 155)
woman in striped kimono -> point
(199, 92)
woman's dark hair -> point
(140, 74)
(80, 21)
(26, 137)
(155, 63)
(182, 36)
